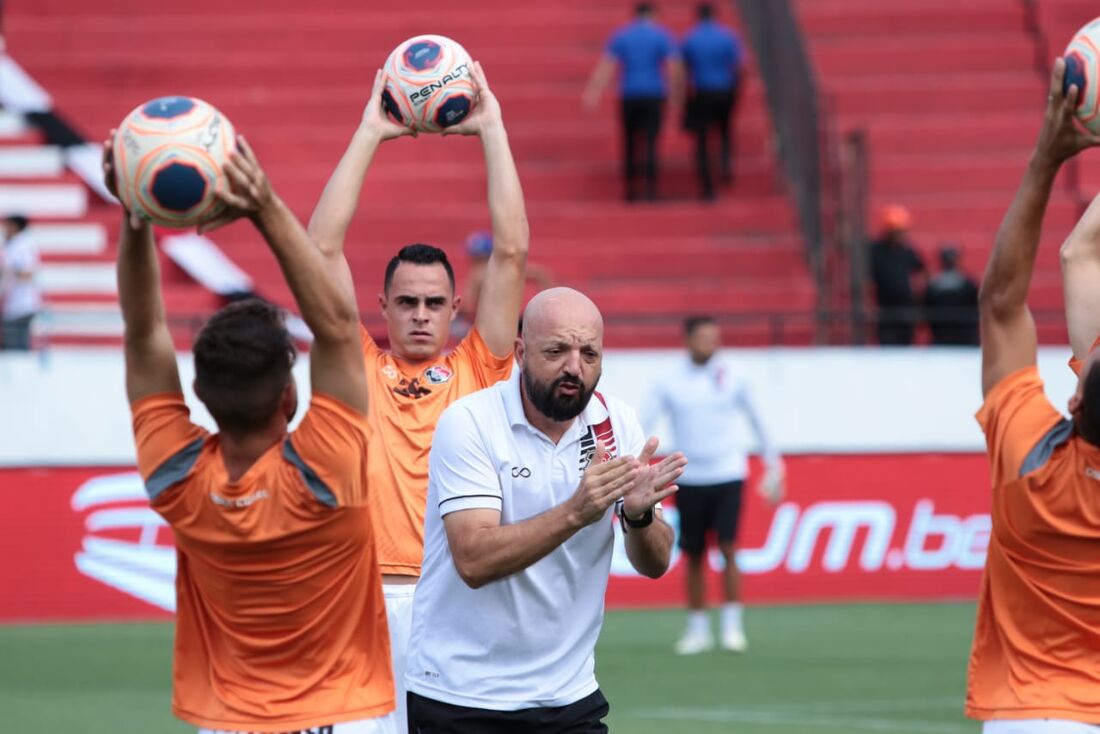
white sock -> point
(698, 622)
(731, 616)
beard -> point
(556, 407)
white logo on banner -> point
(138, 567)
(931, 542)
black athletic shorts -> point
(703, 507)
(428, 716)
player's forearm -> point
(329, 224)
(327, 307)
(649, 549)
(489, 554)
(139, 290)
(506, 207)
(1008, 274)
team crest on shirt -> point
(389, 372)
(438, 374)
(602, 432)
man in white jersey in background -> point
(703, 400)
(524, 481)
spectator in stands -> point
(951, 303)
(646, 55)
(713, 61)
(479, 247)
(20, 299)
(894, 264)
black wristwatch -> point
(644, 522)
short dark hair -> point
(705, 11)
(419, 254)
(645, 9)
(692, 323)
(243, 358)
(1087, 421)
(18, 221)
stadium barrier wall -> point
(888, 489)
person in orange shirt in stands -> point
(1035, 661)
(280, 622)
(412, 384)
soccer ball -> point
(1083, 69)
(169, 154)
(429, 86)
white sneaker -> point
(693, 643)
(734, 641)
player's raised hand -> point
(604, 482)
(110, 178)
(250, 192)
(486, 113)
(1061, 138)
(374, 114)
(655, 482)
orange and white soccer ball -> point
(169, 156)
(429, 84)
(1083, 69)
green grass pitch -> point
(827, 669)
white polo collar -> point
(594, 414)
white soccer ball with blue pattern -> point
(429, 83)
(169, 155)
(1083, 69)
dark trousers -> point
(428, 716)
(641, 118)
(709, 112)
(15, 334)
(897, 325)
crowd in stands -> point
(905, 296)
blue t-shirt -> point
(712, 55)
(642, 48)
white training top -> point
(20, 297)
(703, 403)
(527, 640)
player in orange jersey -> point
(1035, 662)
(412, 384)
(280, 622)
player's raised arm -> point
(147, 343)
(501, 294)
(327, 304)
(328, 227)
(1081, 281)
(1008, 329)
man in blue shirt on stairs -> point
(646, 54)
(714, 60)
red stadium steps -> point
(952, 99)
(299, 103)
(838, 18)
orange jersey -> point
(405, 404)
(1036, 651)
(280, 623)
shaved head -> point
(555, 308)
(560, 353)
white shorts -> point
(1038, 726)
(399, 608)
(381, 725)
